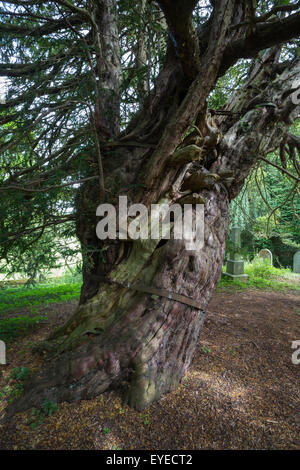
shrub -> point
(261, 268)
(16, 383)
(37, 415)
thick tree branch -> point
(22, 70)
(58, 221)
(278, 9)
(79, 11)
(280, 168)
(182, 34)
(39, 31)
(195, 99)
(265, 35)
(177, 8)
(48, 188)
(35, 92)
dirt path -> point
(242, 390)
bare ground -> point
(242, 390)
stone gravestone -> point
(266, 255)
(235, 263)
(296, 262)
(2, 352)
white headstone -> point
(2, 353)
(296, 262)
(266, 254)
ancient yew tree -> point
(116, 97)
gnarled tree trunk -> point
(132, 339)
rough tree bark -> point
(120, 337)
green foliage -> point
(35, 419)
(34, 260)
(264, 223)
(12, 328)
(268, 210)
(146, 418)
(261, 268)
(16, 382)
(72, 276)
(229, 82)
(47, 138)
(19, 374)
(49, 407)
(205, 349)
(37, 415)
(283, 249)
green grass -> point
(263, 276)
(19, 297)
(12, 328)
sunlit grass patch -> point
(20, 297)
(262, 275)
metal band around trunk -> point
(162, 293)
